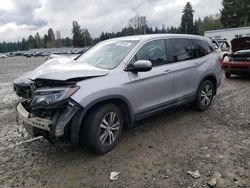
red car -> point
(239, 61)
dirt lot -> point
(158, 152)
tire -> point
(204, 96)
(227, 74)
(101, 138)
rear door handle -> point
(166, 71)
(196, 63)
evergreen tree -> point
(235, 13)
(58, 39)
(78, 40)
(187, 19)
(156, 30)
(67, 42)
(86, 36)
(45, 41)
(23, 45)
(197, 24)
(163, 29)
(51, 39)
(210, 23)
(31, 42)
(38, 41)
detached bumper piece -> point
(50, 127)
(35, 122)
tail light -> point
(220, 60)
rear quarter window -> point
(203, 47)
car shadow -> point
(148, 124)
(240, 77)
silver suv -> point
(117, 82)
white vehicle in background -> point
(222, 47)
(54, 56)
(3, 56)
(228, 34)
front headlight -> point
(46, 97)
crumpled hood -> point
(64, 69)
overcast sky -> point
(19, 18)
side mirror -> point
(140, 66)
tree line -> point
(234, 13)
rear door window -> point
(181, 49)
(203, 47)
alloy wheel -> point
(109, 128)
(206, 95)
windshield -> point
(107, 55)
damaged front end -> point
(45, 107)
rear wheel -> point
(104, 128)
(227, 74)
(204, 96)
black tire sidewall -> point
(93, 131)
(227, 74)
(198, 104)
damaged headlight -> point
(45, 97)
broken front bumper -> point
(54, 127)
(37, 122)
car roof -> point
(156, 36)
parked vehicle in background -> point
(11, 54)
(44, 54)
(228, 34)
(222, 47)
(27, 54)
(18, 53)
(37, 54)
(3, 56)
(239, 61)
(115, 83)
(53, 56)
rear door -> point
(185, 67)
(152, 89)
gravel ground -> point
(158, 152)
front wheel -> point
(104, 128)
(204, 96)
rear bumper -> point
(237, 67)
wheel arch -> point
(122, 102)
(212, 78)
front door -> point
(152, 89)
